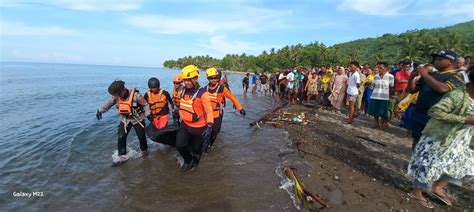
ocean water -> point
(52, 144)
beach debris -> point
(296, 120)
(261, 119)
(277, 119)
(305, 197)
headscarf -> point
(369, 78)
(343, 70)
(326, 79)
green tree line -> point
(415, 45)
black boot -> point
(186, 166)
(208, 148)
(196, 159)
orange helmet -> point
(177, 78)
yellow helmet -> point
(211, 72)
(189, 72)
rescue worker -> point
(195, 111)
(177, 92)
(217, 93)
(132, 108)
(158, 100)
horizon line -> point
(82, 64)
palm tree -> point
(409, 50)
(380, 56)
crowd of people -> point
(434, 103)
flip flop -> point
(424, 203)
(444, 199)
(347, 122)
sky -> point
(146, 33)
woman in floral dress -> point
(311, 87)
(444, 156)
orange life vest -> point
(216, 100)
(125, 106)
(177, 96)
(157, 102)
(186, 109)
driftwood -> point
(272, 122)
(304, 196)
(265, 116)
(371, 140)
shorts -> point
(264, 88)
(290, 87)
(352, 98)
(282, 88)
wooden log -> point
(272, 122)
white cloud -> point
(170, 25)
(83, 5)
(375, 7)
(425, 8)
(450, 8)
(8, 28)
(243, 20)
(222, 45)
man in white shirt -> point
(379, 100)
(291, 82)
(353, 89)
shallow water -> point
(52, 143)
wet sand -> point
(358, 168)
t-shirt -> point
(297, 79)
(263, 79)
(290, 77)
(427, 97)
(401, 75)
(362, 80)
(254, 79)
(465, 76)
(394, 70)
(273, 81)
(352, 88)
(245, 80)
(382, 86)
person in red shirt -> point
(401, 79)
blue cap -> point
(446, 54)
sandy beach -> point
(357, 168)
